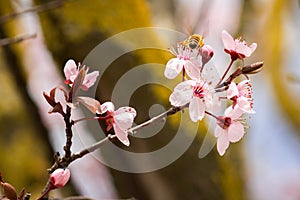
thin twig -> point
(7, 41)
(133, 130)
(229, 66)
(171, 111)
(39, 8)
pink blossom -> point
(186, 59)
(194, 92)
(71, 71)
(120, 120)
(240, 94)
(60, 177)
(206, 53)
(229, 128)
(236, 48)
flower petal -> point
(243, 49)
(218, 131)
(182, 94)
(70, 70)
(222, 143)
(124, 117)
(233, 113)
(232, 90)
(121, 135)
(253, 46)
(192, 68)
(90, 79)
(196, 109)
(235, 131)
(107, 106)
(228, 40)
(173, 68)
(245, 105)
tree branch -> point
(39, 8)
(132, 130)
(7, 41)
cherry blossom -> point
(186, 59)
(60, 177)
(240, 94)
(229, 128)
(71, 71)
(236, 48)
(120, 120)
(194, 92)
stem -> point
(214, 116)
(110, 137)
(69, 133)
(91, 118)
(183, 74)
(93, 147)
(65, 161)
(171, 111)
(229, 66)
(17, 39)
(48, 188)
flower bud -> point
(253, 68)
(60, 177)
(206, 53)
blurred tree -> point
(72, 31)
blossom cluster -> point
(196, 92)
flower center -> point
(199, 90)
(224, 122)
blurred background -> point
(265, 165)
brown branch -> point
(8, 41)
(39, 8)
(66, 160)
(132, 130)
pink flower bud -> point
(206, 53)
(60, 177)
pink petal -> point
(70, 70)
(185, 86)
(192, 68)
(222, 143)
(173, 67)
(245, 105)
(253, 46)
(182, 94)
(228, 40)
(60, 177)
(218, 131)
(90, 79)
(121, 135)
(243, 49)
(235, 131)
(196, 109)
(124, 117)
(180, 98)
(232, 90)
(107, 106)
(234, 113)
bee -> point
(194, 41)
